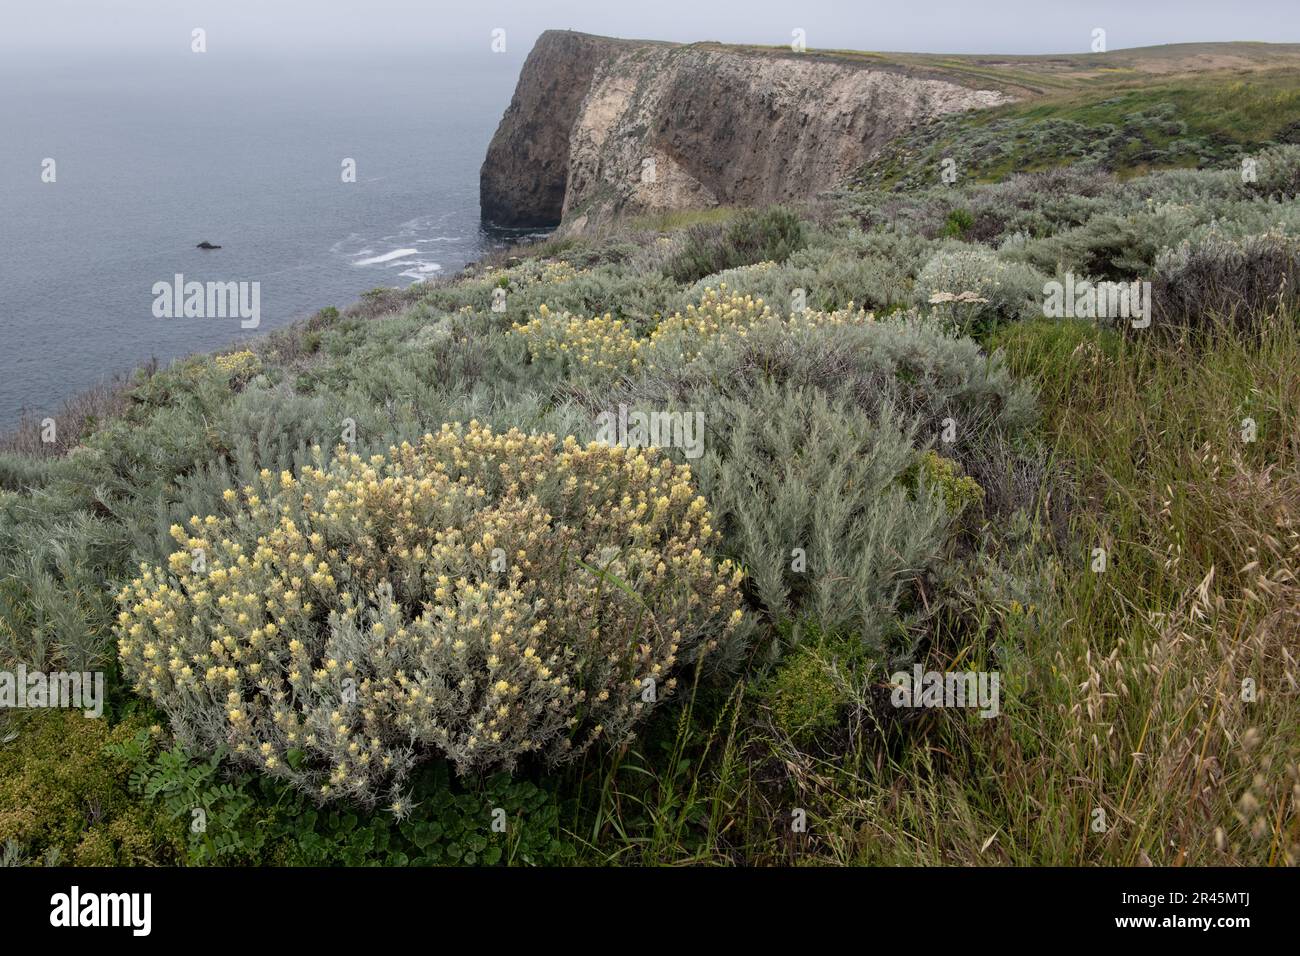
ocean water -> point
(153, 157)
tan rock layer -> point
(600, 128)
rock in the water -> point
(206, 245)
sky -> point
(85, 29)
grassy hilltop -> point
(347, 642)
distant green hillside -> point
(1183, 122)
(1184, 105)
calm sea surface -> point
(152, 158)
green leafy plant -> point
(958, 224)
(234, 817)
(66, 795)
(753, 236)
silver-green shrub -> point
(997, 290)
(814, 500)
(478, 596)
(908, 363)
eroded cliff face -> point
(600, 127)
(526, 172)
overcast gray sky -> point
(88, 27)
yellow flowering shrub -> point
(718, 311)
(800, 323)
(602, 344)
(721, 320)
(534, 271)
(239, 366)
(476, 595)
(608, 346)
(558, 272)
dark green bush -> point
(1108, 247)
(802, 694)
(958, 224)
(753, 236)
(1222, 281)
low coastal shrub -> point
(599, 347)
(770, 235)
(995, 290)
(239, 366)
(908, 363)
(1220, 280)
(872, 272)
(476, 596)
(55, 602)
(1108, 246)
(1277, 173)
(812, 501)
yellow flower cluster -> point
(722, 318)
(740, 272)
(809, 320)
(241, 365)
(558, 272)
(476, 595)
(537, 271)
(718, 311)
(602, 344)
(608, 346)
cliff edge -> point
(601, 127)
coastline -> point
(107, 399)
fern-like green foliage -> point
(239, 818)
